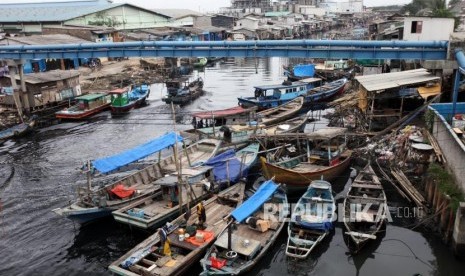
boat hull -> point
(81, 115)
(83, 215)
(122, 110)
(298, 181)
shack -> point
(385, 98)
(44, 89)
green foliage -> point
(438, 7)
(446, 184)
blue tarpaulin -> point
(108, 164)
(255, 201)
(304, 70)
(226, 166)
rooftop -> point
(44, 77)
(177, 13)
(43, 39)
(55, 11)
(394, 80)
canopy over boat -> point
(255, 201)
(222, 113)
(108, 164)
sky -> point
(199, 5)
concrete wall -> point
(342, 6)
(452, 147)
(431, 28)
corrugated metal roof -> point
(395, 80)
(177, 13)
(43, 77)
(57, 13)
(45, 39)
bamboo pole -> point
(176, 161)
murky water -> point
(41, 172)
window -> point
(416, 27)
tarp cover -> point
(122, 192)
(226, 166)
(304, 70)
(108, 164)
(255, 201)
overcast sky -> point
(198, 5)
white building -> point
(247, 23)
(427, 28)
(342, 6)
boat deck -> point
(306, 167)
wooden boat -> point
(328, 158)
(94, 203)
(228, 116)
(311, 220)
(87, 105)
(17, 130)
(365, 208)
(125, 99)
(201, 62)
(151, 212)
(280, 113)
(241, 133)
(325, 92)
(146, 258)
(182, 92)
(268, 96)
(243, 244)
(231, 166)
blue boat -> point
(98, 202)
(125, 99)
(311, 220)
(231, 166)
(274, 95)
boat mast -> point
(176, 160)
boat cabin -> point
(173, 86)
(119, 97)
(218, 118)
(285, 91)
(91, 101)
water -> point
(40, 173)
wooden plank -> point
(367, 198)
(367, 186)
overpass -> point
(327, 49)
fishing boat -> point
(148, 258)
(17, 130)
(228, 116)
(311, 220)
(280, 113)
(231, 166)
(97, 202)
(201, 62)
(324, 92)
(182, 92)
(268, 96)
(153, 211)
(87, 105)
(250, 233)
(365, 208)
(324, 155)
(240, 133)
(125, 99)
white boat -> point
(311, 220)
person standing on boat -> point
(164, 242)
(202, 215)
